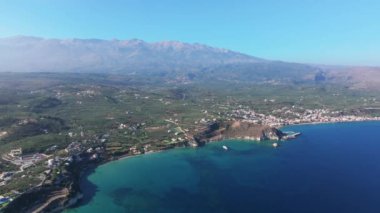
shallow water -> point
(329, 168)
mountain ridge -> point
(169, 59)
(38, 54)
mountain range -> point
(168, 59)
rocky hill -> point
(237, 130)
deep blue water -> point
(330, 168)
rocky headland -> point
(222, 130)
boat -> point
(275, 145)
(225, 148)
(291, 135)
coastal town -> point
(52, 138)
(55, 165)
(292, 116)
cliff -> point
(237, 130)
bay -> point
(329, 168)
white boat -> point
(225, 147)
(275, 145)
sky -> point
(344, 32)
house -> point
(50, 163)
(2, 134)
(16, 152)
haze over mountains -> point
(168, 58)
(30, 54)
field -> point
(131, 114)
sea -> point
(329, 168)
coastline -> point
(89, 170)
(327, 139)
(126, 156)
(328, 122)
(147, 153)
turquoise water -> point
(330, 168)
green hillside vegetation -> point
(128, 115)
(52, 105)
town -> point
(291, 116)
(55, 166)
(51, 136)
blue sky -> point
(313, 31)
